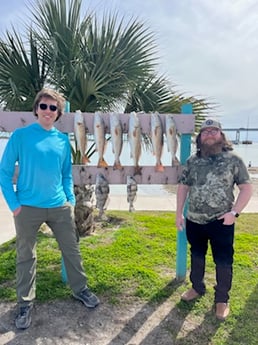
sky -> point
(206, 48)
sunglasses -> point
(44, 106)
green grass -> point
(132, 256)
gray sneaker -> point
(87, 298)
(23, 319)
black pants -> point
(221, 239)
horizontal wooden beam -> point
(9, 121)
(83, 175)
(87, 175)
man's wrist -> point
(235, 213)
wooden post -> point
(185, 150)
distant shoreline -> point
(253, 170)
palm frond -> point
(22, 72)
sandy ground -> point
(254, 177)
(130, 323)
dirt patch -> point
(69, 322)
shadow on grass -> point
(160, 323)
(245, 329)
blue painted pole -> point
(63, 269)
(67, 107)
(185, 151)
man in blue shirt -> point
(44, 194)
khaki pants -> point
(61, 222)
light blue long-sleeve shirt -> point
(44, 165)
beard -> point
(208, 150)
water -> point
(244, 135)
(249, 153)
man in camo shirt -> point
(207, 182)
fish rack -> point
(86, 174)
(185, 124)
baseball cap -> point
(210, 123)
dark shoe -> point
(23, 319)
(222, 311)
(87, 298)
(190, 295)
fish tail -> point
(137, 170)
(117, 166)
(102, 163)
(159, 167)
(85, 160)
(175, 162)
(131, 208)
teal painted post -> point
(185, 151)
(67, 107)
(63, 269)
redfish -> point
(157, 140)
(134, 138)
(100, 141)
(80, 136)
(116, 132)
(171, 134)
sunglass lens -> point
(43, 106)
(53, 107)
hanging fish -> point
(80, 136)
(101, 192)
(134, 138)
(157, 140)
(171, 134)
(100, 141)
(131, 192)
(116, 132)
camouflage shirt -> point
(211, 181)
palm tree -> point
(96, 63)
